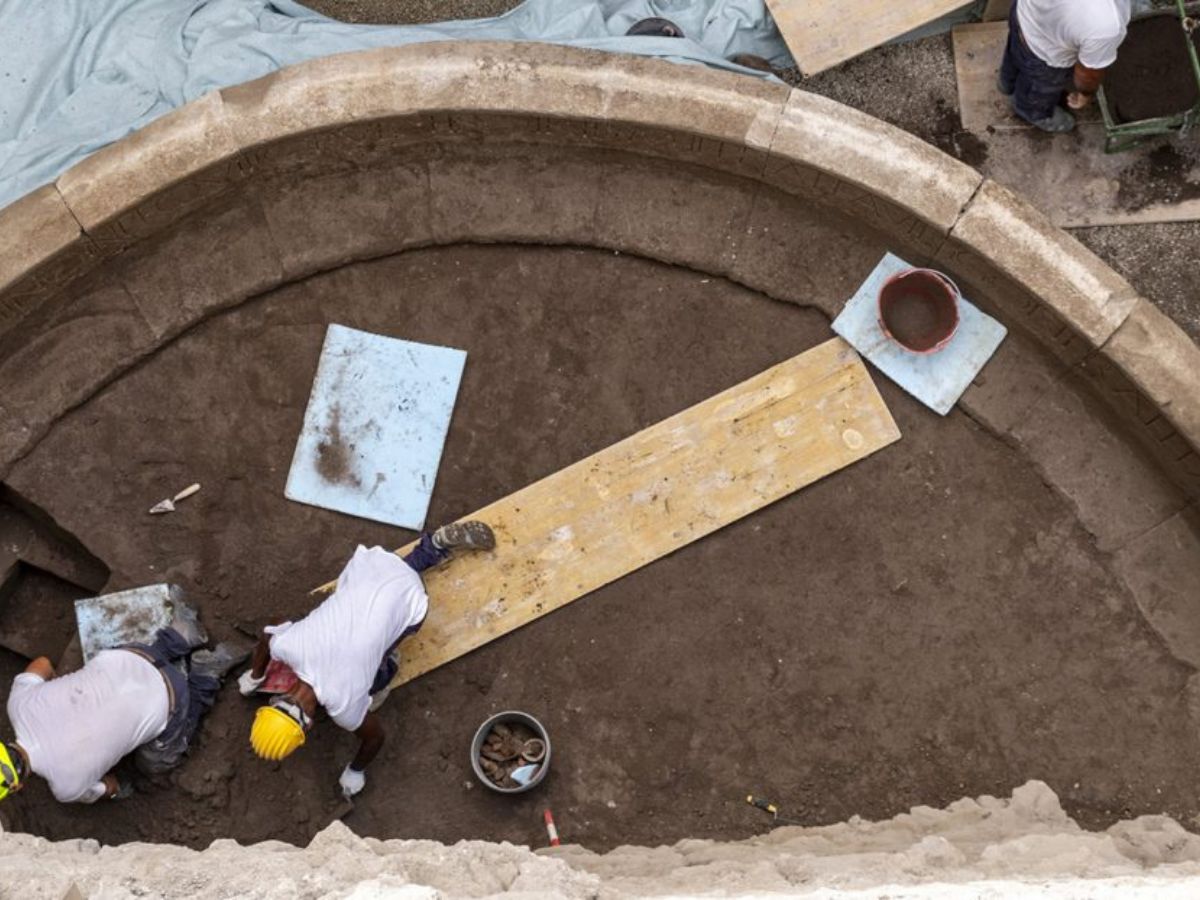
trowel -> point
(168, 505)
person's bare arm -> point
(1087, 82)
(261, 656)
(370, 736)
(42, 668)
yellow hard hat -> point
(274, 734)
(10, 771)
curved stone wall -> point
(241, 191)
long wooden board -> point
(823, 33)
(650, 494)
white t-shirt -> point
(1064, 32)
(75, 728)
(337, 648)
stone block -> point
(1149, 372)
(773, 252)
(1084, 453)
(1013, 381)
(42, 249)
(516, 192)
(1035, 275)
(888, 174)
(96, 332)
(672, 213)
(155, 176)
(498, 91)
(1161, 568)
(201, 265)
(321, 223)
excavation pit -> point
(951, 616)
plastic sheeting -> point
(77, 75)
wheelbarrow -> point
(1120, 136)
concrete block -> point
(201, 265)
(1071, 438)
(1036, 275)
(1161, 568)
(321, 223)
(42, 249)
(880, 163)
(1149, 371)
(155, 176)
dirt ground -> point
(930, 623)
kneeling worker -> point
(1056, 46)
(345, 652)
(138, 698)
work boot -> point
(218, 661)
(1058, 122)
(186, 621)
(466, 535)
(654, 27)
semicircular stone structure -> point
(419, 163)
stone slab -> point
(201, 265)
(1070, 437)
(42, 248)
(875, 157)
(445, 83)
(155, 176)
(1162, 569)
(1041, 277)
(1013, 381)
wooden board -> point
(650, 494)
(823, 33)
(978, 50)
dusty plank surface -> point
(978, 50)
(650, 494)
(823, 33)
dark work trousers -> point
(192, 696)
(424, 556)
(1036, 87)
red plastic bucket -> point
(918, 309)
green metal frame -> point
(1120, 136)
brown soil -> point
(335, 453)
(1153, 74)
(930, 623)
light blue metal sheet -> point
(375, 426)
(125, 617)
(937, 379)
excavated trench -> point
(945, 618)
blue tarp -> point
(77, 75)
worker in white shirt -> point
(147, 699)
(1058, 47)
(345, 652)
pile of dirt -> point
(1153, 75)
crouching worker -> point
(147, 699)
(345, 653)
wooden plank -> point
(823, 33)
(650, 494)
(978, 50)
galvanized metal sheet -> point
(126, 617)
(375, 426)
